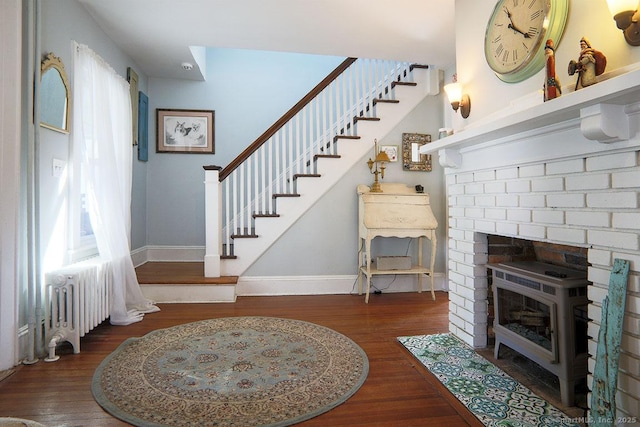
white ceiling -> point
(157, 33)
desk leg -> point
(420, 274)
(368, 249)
(433, 260)
(360, 264)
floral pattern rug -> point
(234, 371)
(489, 393)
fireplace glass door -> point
(528, 318)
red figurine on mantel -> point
(552, 87)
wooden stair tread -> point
(244, 236)
(265, 215)
(370, 119)
(179, 273)
(306, 175)
(386, 101)
(345, 137)
(393, 84)
(285, 195)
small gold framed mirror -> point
(412, 160)
(55, 95)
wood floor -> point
(177, 273)
(397, 392)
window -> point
(82, 238)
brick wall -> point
(589, 202)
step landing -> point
(184, 282)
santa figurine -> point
(590, 63)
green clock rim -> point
(557, 20)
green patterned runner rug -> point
(489, 393)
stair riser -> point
(181, 293)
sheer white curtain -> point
(102, 144)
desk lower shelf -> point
(373, 271)
(416, 269)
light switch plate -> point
(58, 168)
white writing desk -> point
(399, 211)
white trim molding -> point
(326, 285)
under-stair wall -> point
(270, 211)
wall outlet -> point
(58, 168)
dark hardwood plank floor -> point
(397, 392)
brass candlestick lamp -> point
(381, 158)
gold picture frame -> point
(412, 160)
(55, 95)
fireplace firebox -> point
(541, 312)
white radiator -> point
(77, 301)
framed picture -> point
(185, 131)
(391, 150)
(412, 160)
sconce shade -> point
(454, 93)
(617, 6)
(625, 13)
(457, 99)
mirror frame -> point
(53, 62)
(424, 164)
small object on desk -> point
(380, 157)
(393, 262)
(419, 189)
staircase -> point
(288, 169)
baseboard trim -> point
(167, 254)
(323, 285)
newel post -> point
(212, 218)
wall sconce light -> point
(381, 158)
(625, 13)
(457, 98)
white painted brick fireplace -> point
(564, 172)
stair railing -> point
(269, 167)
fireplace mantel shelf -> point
(602, 109)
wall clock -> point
(516, 35)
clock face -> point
(516, 35)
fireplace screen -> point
(527, 317)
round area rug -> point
(233, 371)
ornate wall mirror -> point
(55, 94)
(412, 160)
